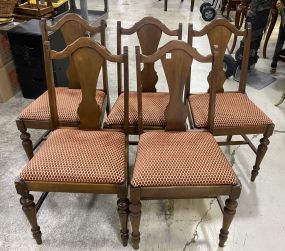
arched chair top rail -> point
(75, 18)
(149, 21)
(176, 45)
(85, 42)
(220, 22)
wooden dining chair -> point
(235, 113)
(175, 163)
(37, 114)
(149, 31)
(84, 159)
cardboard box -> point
(9, 85)
(5, 51)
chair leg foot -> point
(229, 138)
(261, 150)
(229, 212)
(135, 215)
(29, 208)
(123, 211)
(192, 5)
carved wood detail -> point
(149, 31)
(73, 27)
(220, 36)
(176, 70)
(88, 63)
(69, 37)
(148, 47)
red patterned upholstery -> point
(154, 104)
(232, 110)
(68, 101)
(180, 159)
(79, 156)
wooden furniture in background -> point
(92, 16)
(279, 52)
(166, 4)
(149, 31)
(273, 20)
(240, 16)
(235, 113)
(37, 115)
(35, 10)
(175, 163)
(232, 5)
(82, 160)
(38, 9)
(7, 8)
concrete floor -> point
(90, 222)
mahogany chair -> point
(235, 113)
(37, 114)
(84, 159)
(149, 31)
(175, 163)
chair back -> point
(73, 27)
(219, 32)
(88, 57)
(149, 31)
(176, 58)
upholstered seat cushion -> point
(153, 103)
(67, 100)
(232, 110)
(180, 159)
(79, 156)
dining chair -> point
(175, 163)
(83, 159)
(149, 31)
(235, 113)
(37, 114)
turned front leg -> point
(123, 211)
(25, 137)
(135, 215)
(261, 150)
(29, 208)
(229, 213)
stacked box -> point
(9, 85)
(5, 51)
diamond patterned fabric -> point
(153, 103)
(79, 156)
(68, 101)
(180, 159)
(232, 110)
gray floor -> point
(89, 222)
